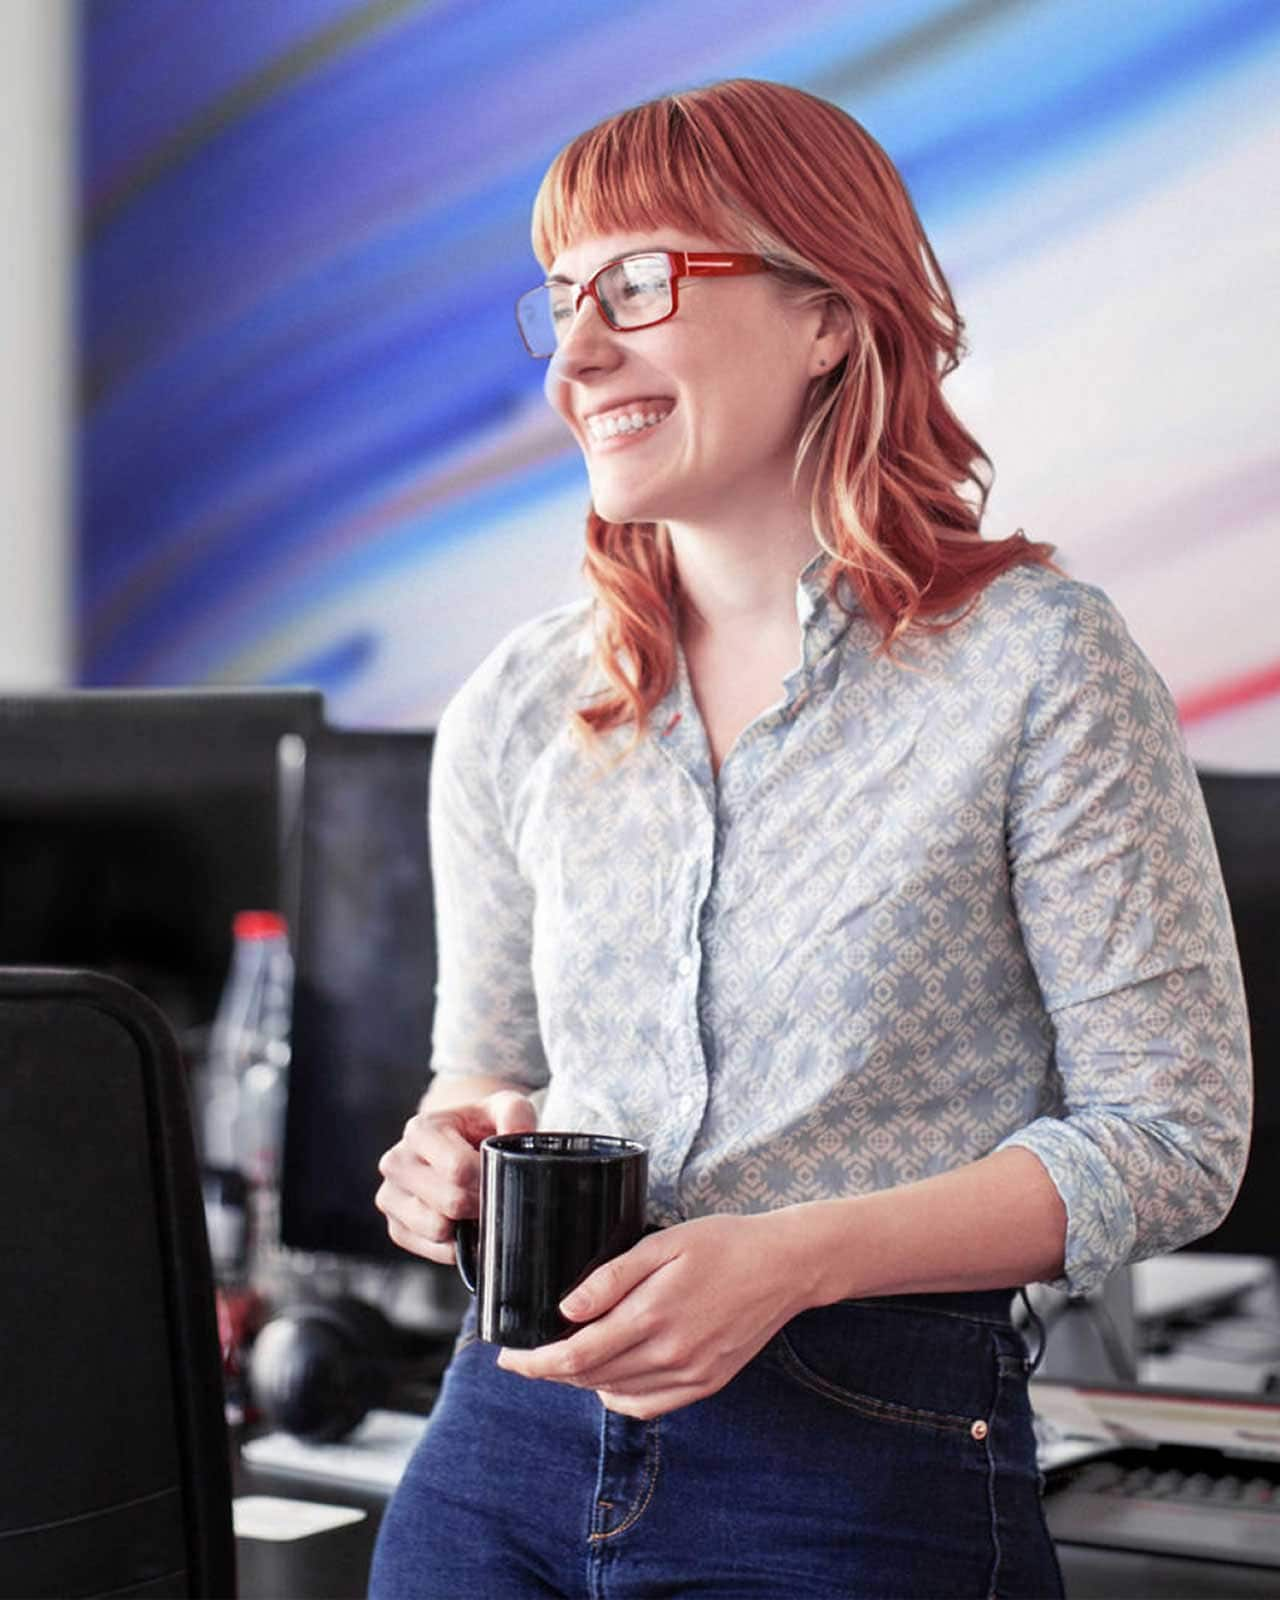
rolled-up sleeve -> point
(1119, 897)
(486, 1016)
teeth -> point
(624, 422)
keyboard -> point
(1170, 1500)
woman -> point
(850, 861)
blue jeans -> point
(873, 1448)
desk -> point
(1109, 1574)
(335, 1565)
(326, 1566)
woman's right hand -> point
(431, 1177)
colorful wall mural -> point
(312, 449)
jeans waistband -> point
(986, 1305)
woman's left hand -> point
(676, 1316)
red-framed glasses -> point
(631, 293)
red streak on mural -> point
(1229, 694)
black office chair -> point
(114, 1465)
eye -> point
(561, 307)
(643, 276)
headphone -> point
(317, 1369)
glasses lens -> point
(636, 291)
(536, 319)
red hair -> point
(900, 484)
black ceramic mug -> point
(553, 1207)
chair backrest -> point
(114, 1462)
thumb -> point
(512, 1112)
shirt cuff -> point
(1101, 1227)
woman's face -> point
(725, 378)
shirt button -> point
(684, 966)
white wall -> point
(36, 165)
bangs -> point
(640, 170)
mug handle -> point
(466, 1241)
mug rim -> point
(617, 1147)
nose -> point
(587, 346)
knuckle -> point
(572, 1364)
(450, 1170)
(609, 1278)
(670, 1352)
(455, 1200)
(648, 1324)
(420, 1132)
(413, 1241)
(455, 1171)
(437, 1228)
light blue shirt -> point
(932, 907)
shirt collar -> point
(811, 589)
(823, 619)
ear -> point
(832, 336)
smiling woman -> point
(863, 878)
(895, 482)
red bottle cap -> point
(258, 925)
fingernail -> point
(574, 1305)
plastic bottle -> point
(264, 1051)
(242, 1100)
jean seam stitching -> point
(867, 1405)
(889, 1304)
(993, 1587)
(653, 1460)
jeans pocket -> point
(829, 1369)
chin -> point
(616, 507)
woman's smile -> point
(625, 423)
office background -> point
(263, 414)
(306, 446)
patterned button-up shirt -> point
(931, 906)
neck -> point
(740, 577)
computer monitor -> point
(364, 984)
(135, 823)
(1244, 811)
